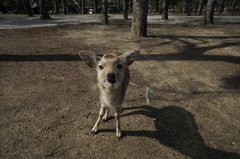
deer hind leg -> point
(100, 117)
(105, 117)
(118, 127)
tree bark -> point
(95, 6)
(160, 7)
(221, 6)
(64, 7)
(27, 8)
(125, 9)
(131, 6)
(208, 18)
(200, 7)
(118, 6)
(43, 10)
(104, 12)
(55, 6)
(139, 21)
(229, 4)
(157, 6)
(83, 6)
(234, 3)
(165, 9)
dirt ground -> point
(49, 97)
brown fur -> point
(111, 94)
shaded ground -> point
(21, 21)
(49, 98)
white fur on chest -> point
(110, 98)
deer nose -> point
(111, 76)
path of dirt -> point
(49, 98)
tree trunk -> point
(139, 21)
(95, 6)
(165, 9)
(196, 6)
(189, 7)
(131, 6)
(104, 12)
(27, 8)
(43, 10)
(64, 7)
(184, 7)
(118, 6)
(221, 6)
(157, 6)
(200, 7)
(125, 9)
(208, 18)
(160, 7)
(234, 3)
(229, 4)
(55, 6)
(83, 6)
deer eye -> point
(119, 66)
(100, 67)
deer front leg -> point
(100, 117)
(118, 128)
(105, 115)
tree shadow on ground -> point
(190, 51)
(177, 129)
(232, 82)
(33, 58)
(187, 52)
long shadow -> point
(189, 51)
(232, 82)
(177, 129)
(32, 58)
(192, 57)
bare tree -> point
(139, 21)
(104, 12)
(208, 18)
(43, 10)
(165, 9)
(125, 9)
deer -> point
(113, 78)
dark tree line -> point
(195, 6)
(139, 9)
(187, 7)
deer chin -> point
(110, 85)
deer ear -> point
(90, 59)
(130, 56)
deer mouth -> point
(111, 81)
